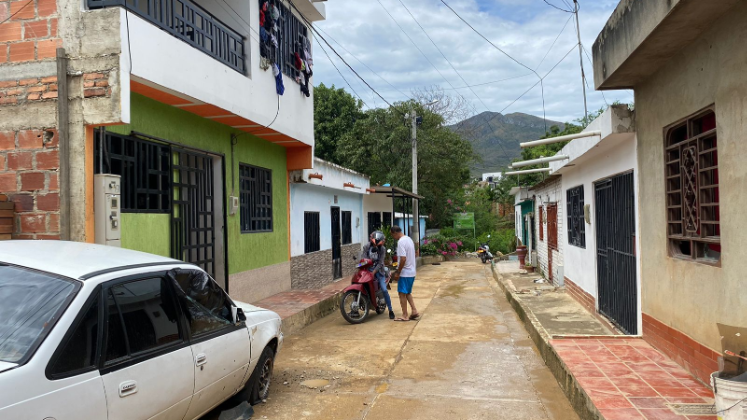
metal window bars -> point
(575, 216)
(347, 228)
(255, 190)
(190, 23)
(311, 232)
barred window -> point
(692, 186)
(575, 216)
(374, 222)
(145, 169)
(256, 198)
(347, 228)
(292, 37)
(387, 218)
(311, 232)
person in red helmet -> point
(374, 250)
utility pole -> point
(581, 59)
(415, 231)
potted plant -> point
(529, 268)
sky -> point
(372, 43)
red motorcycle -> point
(362, 294)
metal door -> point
(552, 237)
(336, 245)
(616, 266)
(193, 216)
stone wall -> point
(315, 270)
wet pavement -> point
(468, 357)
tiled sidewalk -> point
(287, 304)
(627, 379)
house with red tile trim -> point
(685, 61)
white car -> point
(103, 333)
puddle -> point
(315, 383)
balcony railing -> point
(190, 23)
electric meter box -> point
(107, 201)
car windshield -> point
(30, 303)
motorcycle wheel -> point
(482, 257)
(349, 312)
(380, 309)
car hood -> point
(247, 307)
(6, 365)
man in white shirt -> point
(405, 274)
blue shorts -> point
(404, 285)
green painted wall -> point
(146, 232)
(246, 251)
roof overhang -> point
(313, 10)
(395, 191)
(616, 125)
(641, 36)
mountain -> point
(489, 131)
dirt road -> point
(467, 358)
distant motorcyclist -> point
(374, 250)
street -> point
(467, 358)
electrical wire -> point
(544, 113)
(341, 75)
(557, 7)
(247, 24)
(17, 11)
(489, 83)
(455, 71)
(364, 64)
(556, 40)
(313, 29)
(592, 63)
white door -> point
(148, 371)
(221, 349)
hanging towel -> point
(299, 62)
(278, 79)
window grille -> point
(347, 228)
(388, 218)
(145, 168)
(292, 37)
(575, 216)
(311, 231)
(692, 186)
(374, 222)
(256, 198)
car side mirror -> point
(237, 314)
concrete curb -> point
(579, 399)
(313, 313)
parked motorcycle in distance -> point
(484, 252)
(363, 293)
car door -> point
(221, 349)
(147, 361)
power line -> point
(453, 68)
(364, 64)
(343, 77)
(414, 44)
(592, 64)
(556, 40)
(544, 113)
(313, 29)
(17, 11)
(559, 8)
(489, 83)
(248, 25)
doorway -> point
(552, 237)
(336, 243)
(197, 211)
(616, 260)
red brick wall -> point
(28, 176)
(585, 299)
(31, 34)
(688, 353)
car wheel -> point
(257, 389)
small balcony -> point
(190, 23)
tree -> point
(335, 114)
(380, 145)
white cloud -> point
(524, 29)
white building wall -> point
(548, 194)
(376, 203)
(581, 263)
(306, 197)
